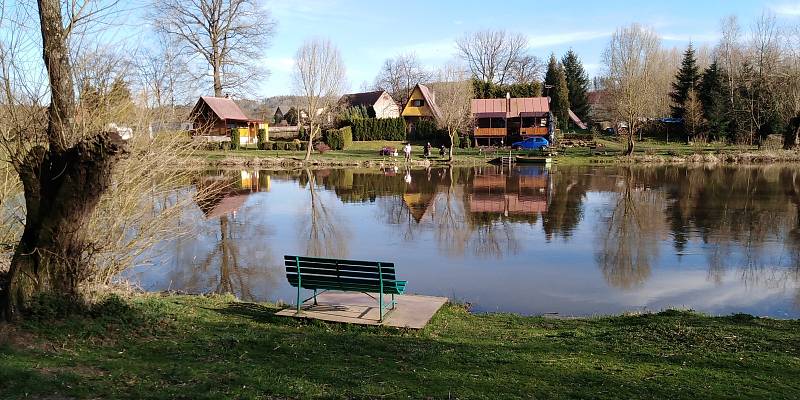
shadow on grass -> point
(255, 312)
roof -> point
(224, 108)
(362, 99)
(576, 120)
(516, 107)
(431, 100)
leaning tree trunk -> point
(310, 141)
(453, 136)
(62, 186)
(631, 142)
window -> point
(417, 103)
(528, 122)
(483, 123)
(498, 123)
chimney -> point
(508, 101)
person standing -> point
(407, 151)
(427, 152)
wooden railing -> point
(533, 131)
(487, 132)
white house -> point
(378, 101)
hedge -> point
(235, 142)
(427, 130)
(338, 139)
(378, 129)
(262, 139)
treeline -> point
(746, 89)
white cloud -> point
(790, 9)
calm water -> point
(531, 240)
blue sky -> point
(368, 32)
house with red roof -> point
(216, 116)
(511, 118)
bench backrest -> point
(328, 273)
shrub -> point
(275, 145)
(338, 139)
(377, 129)
(262, 139)
(321, 147)
(296, 144)
(235, 142)
(288, 146)
(465, 142)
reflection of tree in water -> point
(238, 253)
(324, 234)
(627, 246)
(565, 210)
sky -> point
(368, 32)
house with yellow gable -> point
(421, 105)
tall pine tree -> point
(555, 82)
(686, 80)
(714, 99)
(577, 84)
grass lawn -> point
(215, 347)
(368, 151)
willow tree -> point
(319, 76)
(63, 174)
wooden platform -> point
(412, 311)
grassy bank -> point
(198, 347)
(366, 154)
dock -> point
(412, 311)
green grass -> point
(201, 347)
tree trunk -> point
(310, 141)
(62, 186)
(452, 146)
(631, 144)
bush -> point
(321, 147)
(235, 142)
(275, 146)
(262, 139)
(377, 129)
(288, 146)
(465, 142)
(296, 144)
(338, 139)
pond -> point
(568, 240)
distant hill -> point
(265, 108)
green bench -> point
(323, 274)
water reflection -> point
(574, 240)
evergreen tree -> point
(291, 116)
(686, 80)
(555, 82)
(713, 92)
(577, 84)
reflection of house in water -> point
(228, 191)
(419, 194)
(520, 192)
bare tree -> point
(453, 96)
(319, 76)
(399, 75)
(527, 69)
(492, 55)
(631, 59)
(227, 37)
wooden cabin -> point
(421, 105)
(511, 119)
(216, 116)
